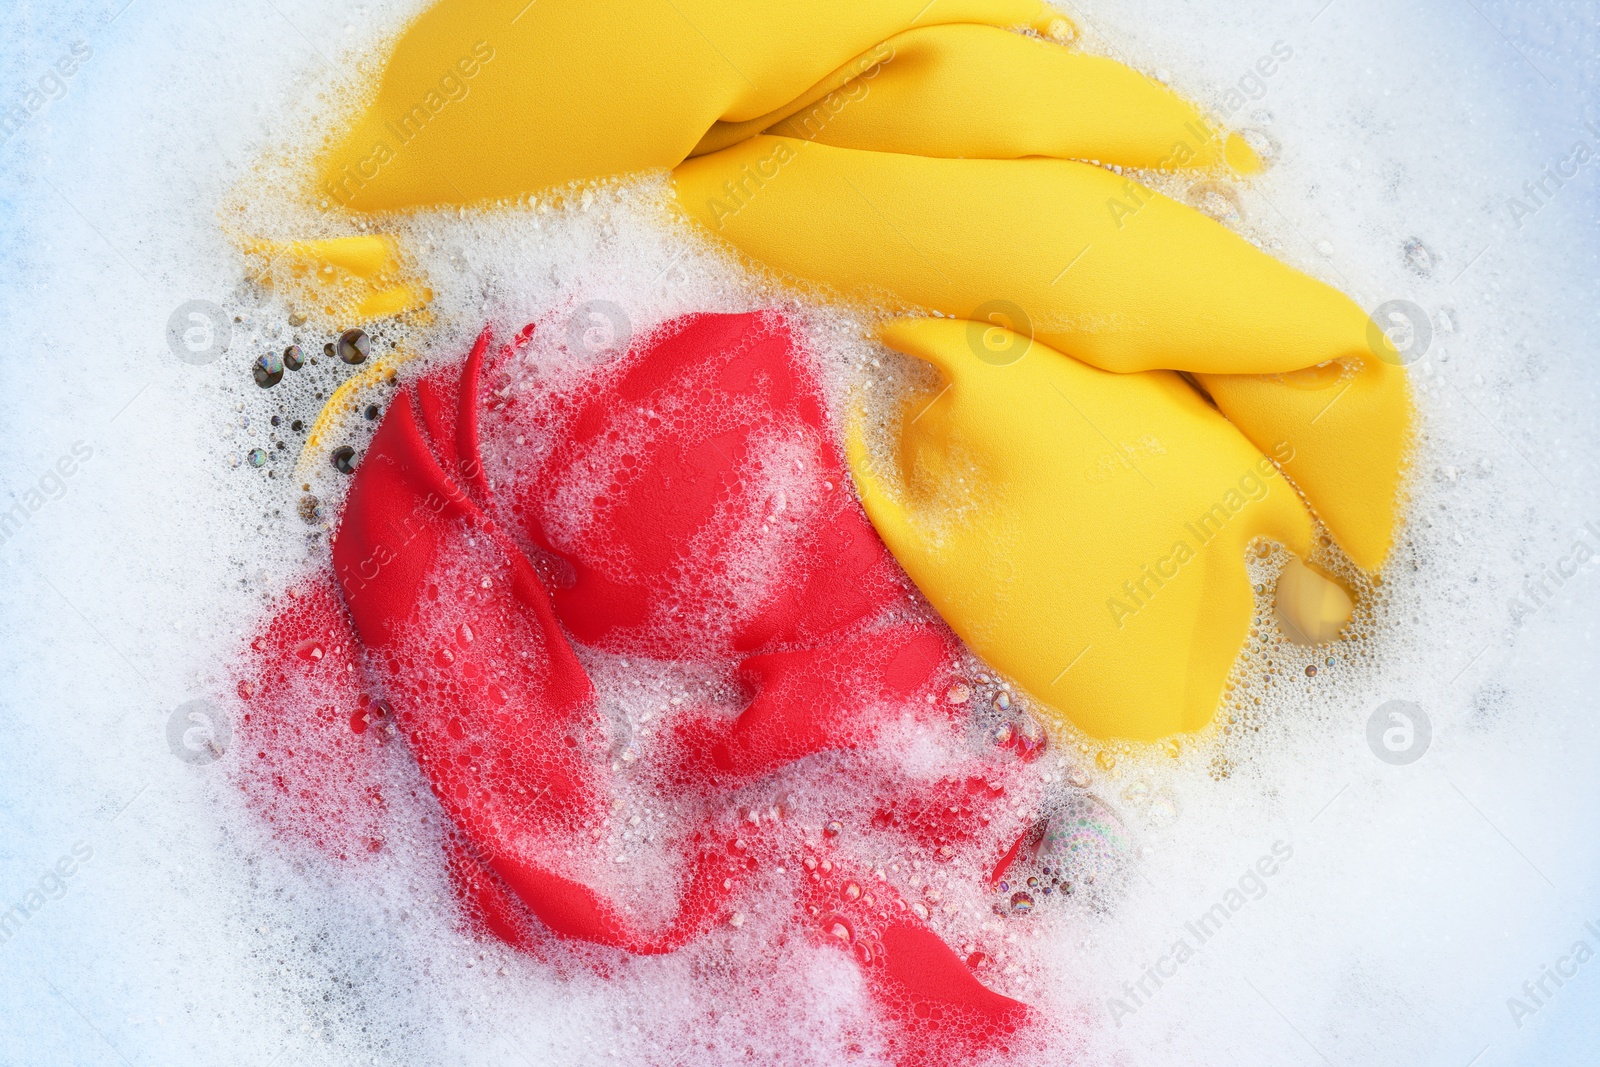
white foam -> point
(1416, 901)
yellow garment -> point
(946, 157)
(339, 280)
(1083, 530)
(1159, 286)
(484, 100)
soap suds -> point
(1408, 904)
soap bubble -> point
(268, 370)
(353, 346)
(1265, 145)
(1218, 201)
(1083, 838)
(838, 926)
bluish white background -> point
(1420, 899)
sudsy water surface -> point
(1382, 853)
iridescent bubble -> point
(1030, 736)
(353, 346)
(268, 370)
(1021, 903)
(292, 358)
(257, 457)
(1082, 837)
(311, 510)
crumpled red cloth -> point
(686, 503)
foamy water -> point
(1406, 905)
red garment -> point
(687, 504)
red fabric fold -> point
(697, 510)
